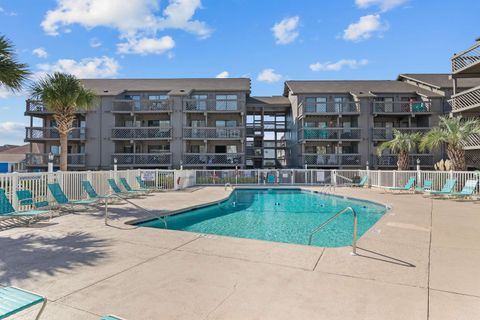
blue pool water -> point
(281, 215)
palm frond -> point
(12, 73)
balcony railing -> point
(48, 133)
(33, 106)
(213, 159)
(193, 105)
(224, 133)
(327, 160)
(330, 134)
(387, 133)
(141, 133)
(142, 105)
(390, 160)
(466, 59)
(41, 159)
(142, 159)
(473, 142)
(328, 108)
(400, 107)
(466, 100)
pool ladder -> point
(320, 227)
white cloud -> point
(95, 43)
(9, 126)
(337, 66)
(145, 46)
(286, 31)
(223, 74)
(12, 132)
(384, 5)
(269, 75)
(6, 93)
(98, 67)
(7, 13)
(364, 28)
(40, 52)
(130, 18)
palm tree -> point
(453, 132)
(63, 94)
(402, 143)
(12, 73)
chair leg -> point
(41, 309)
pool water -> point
(280, 215)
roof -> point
(273, 100)
(440, 80)
(113, 87)
(357, 87)
(17, 153)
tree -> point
(12, 73)
(403, 144)
(452, 132)
(63, 94)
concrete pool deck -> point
(420, 261)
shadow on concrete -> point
(30, 255)
(384, 258)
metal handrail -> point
(163, 218)
(320, 227)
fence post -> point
(293, 177)
(394, 178)
(334, 175)
(379, 178)
(13, 190)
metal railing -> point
(467, 58)
(194, 105)
(401, 107)
(213, 133)
(41, 159)
(343, 133)
(390, 160)
(34, 106)
(326, 160)
(145, 105)
(50, 133)
(473, 142)
(143, 159)
(213, 159)
(324, 224)
(466, 100)
(387, 133)
(351, 107)
(141, 133)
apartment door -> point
(389, 130)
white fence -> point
(180, 179)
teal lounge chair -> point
(143, 185)
(360, 184)
(127, 187)
(91, 192)
(409, 185)
(427, 186)
(117, 191)
(63, 201)
(7, 210)
(25, 198)
(14, 300)
(467, 190)
(446, 189)
(111, 317)
(271, 178)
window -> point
(339, 103)
(158, 148)
(136, 99)
(158, 97)
(158, 123)
(226, 123)
(226, 102)
(315, 104)
(200, 102)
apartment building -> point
(216, 123)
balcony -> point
(473, 143)
(330, 134)
(41, 159)
(38, 108)
(213, 159)
(467, 62)
(211, 105)
(318, 108)
(385, 134)
(143, 159)
(51, 134)
(141, 133)
(468, 100)
(141, 106)
(332, 160)
(402, 107)
(213, 133)
(390, 160)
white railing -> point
(466, 58)
(465, 100)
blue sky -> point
(268, 40)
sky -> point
(269, 41)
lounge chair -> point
(446, 189)
(91, 192)
(409, 185)
(427, 186)
(127, 187)
(63, 201)
(117, 191)
(143, 185)
(111, 317)
(359, 184)
(467, 190)
(7, 210)
(25, 198)
(14, 300)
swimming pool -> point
(280, 215)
